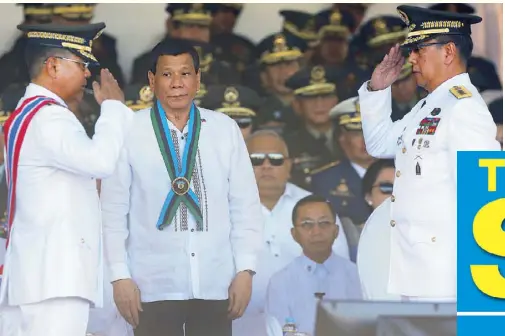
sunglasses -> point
(407, 50)
(243, 122)
(275, 159)
(385, 187)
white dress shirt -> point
(180, 262)
(291, 291)
(360, 170)
(279, 250)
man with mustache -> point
(453, 117)
(181, 214)
(52, 166)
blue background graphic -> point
(472, 194)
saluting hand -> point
(387, 72)
(127, 299)
(239, 295)
(108, 88)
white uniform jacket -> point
(55, 245)
(423, 206)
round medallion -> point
(180, 186)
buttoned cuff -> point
(245, 262)
(119, 272)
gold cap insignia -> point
(280, 43)
(335, 18)
(317, 74)
(356, 106)
(380, 27)
(146, 94)
(230, 95)
(310, 26)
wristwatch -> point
(251, 273)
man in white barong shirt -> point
(52, 272)
(193, 263)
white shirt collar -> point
(360, 170)
(37, 90)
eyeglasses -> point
(385, 187)
(309, 225)
(275, 159)
(84, 65)
(407, 50)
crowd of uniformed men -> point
(300, 82)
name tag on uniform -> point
(428, 126)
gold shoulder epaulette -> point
(460, 92)
(323, 168)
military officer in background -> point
(233, 48)
(238, 102)
(280, 57)
(358, 11)
(138, 97)
(301, 25)
(12, 64)
(453, 117)
(189, 21)
(496, 109)
(334, 32)
(405, 92)
(380, 34)
(104, 47)
(313, 143)
(341, 181)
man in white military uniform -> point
(272, 165)
(185, 196)
(425, 142)
(54, 255)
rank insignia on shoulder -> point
(323, 168)
(460, 92)
(436, 111)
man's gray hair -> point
(261, 133)
(35, 58)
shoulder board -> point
(460, 92)
(325, 167)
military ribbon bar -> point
(180, 174)
(14, 134)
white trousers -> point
(53, 317)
